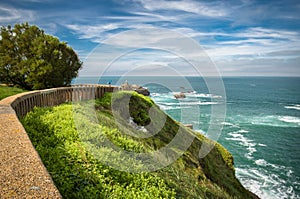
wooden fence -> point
(55, 96)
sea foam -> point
(264, 184)
(289, 119)
(296, 107)
(242, 140)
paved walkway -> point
(22, 173)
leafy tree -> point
(32, 59)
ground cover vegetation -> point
(76, 161)
(6, 91)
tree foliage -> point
(32, 59)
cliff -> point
(76, 162)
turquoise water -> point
(261, 128)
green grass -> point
(6, 91)
(75, 159)
(76, 173)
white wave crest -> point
(242, 140)
(163, 107)
(227, 124)
(289, 119)
(230, 124)
(262, 144)
(270, 120)
(259, 181)
(188, 103)
(202, 95)
(243, 131)
(296, 107)
(261, 162)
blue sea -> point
(261, 127)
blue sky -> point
(241, 37)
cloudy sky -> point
(242, 37)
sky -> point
(240, 37)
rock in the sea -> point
(179, 95)
(143, 91)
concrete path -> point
(22, 173)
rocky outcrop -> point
(179, 95)
(139, 89)
(143, 91)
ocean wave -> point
(161, 96)
(188, 103)
(227, 124)
(269, 120)
(168, 102)
(264, 184)
(173, 107)
(242, 140)
(202, 95)
(188, 95)
(208, 103)
(289, 119)
(261, 162)
(262, 144)
(155, 94)
(243, 131)
(296, 107)
(230, 124)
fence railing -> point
(25, 102)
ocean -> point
(261, 128)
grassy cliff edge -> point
(77, 172)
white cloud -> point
(145, 17)
(51, 28)
(174, 52)
(247, 46)
(96, 33)
(100, 32)
(189, 6)
(109, 60)
(193, 33)
(253, 50)
(259, 66)
(247, 41)
(219, 26)
(259, 32)
(9, 14)
(234, 51)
